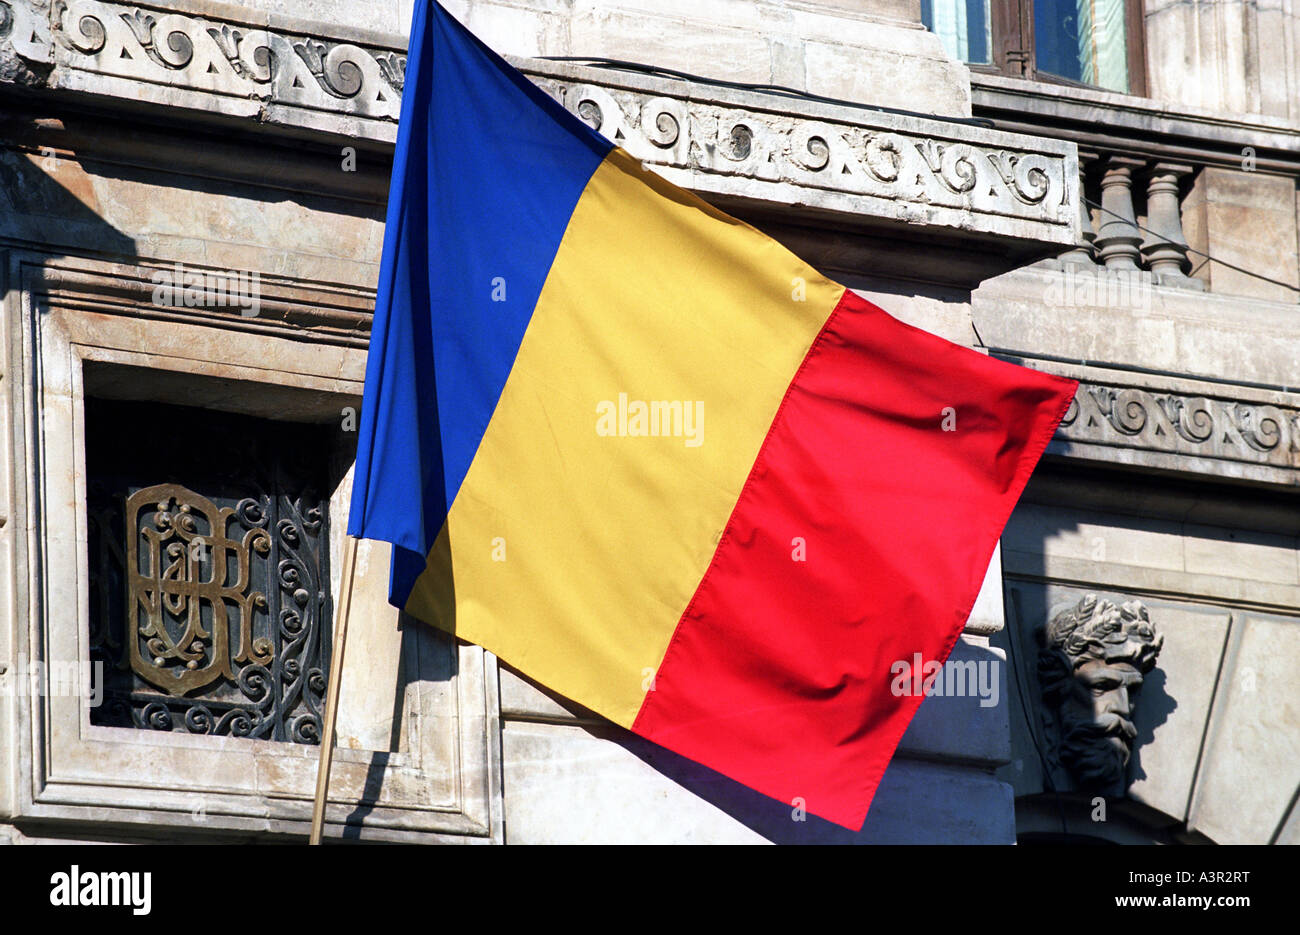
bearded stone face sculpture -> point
(1092, 657)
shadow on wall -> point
(214, 192)
(917, 802)
(423, 658)
(1157, 705)
(46, 205)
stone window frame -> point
(66, 774)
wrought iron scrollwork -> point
(212, 614)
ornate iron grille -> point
(209, 578)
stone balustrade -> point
(1114, 235)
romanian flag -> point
(655, 461)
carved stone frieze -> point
(26, 51)
(165, 48)
(1203, 426)
(842, 156)
(867, 166)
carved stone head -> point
(1092, 657)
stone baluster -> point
(1118, 237)
(1085, 251)
(1165, 247)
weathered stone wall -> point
(1235, 57)
(871, 52)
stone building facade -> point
(192, 198)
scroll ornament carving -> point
(721, 139)
(185, 51)
(652, 128)
(25, 27)
(915, 168)
(1252, 432)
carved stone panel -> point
(1100, 596)
(818, 155)
(1182, 424)
(229, 59)
(895, 164)
(1204, 426)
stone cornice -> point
(1180, 425)
(1110, 122)
(289, 308)
(839, 158)
(869, 169)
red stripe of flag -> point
(779, 672)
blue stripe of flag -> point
(486, 174)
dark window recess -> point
(209, 570)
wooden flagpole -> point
(332, 692)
